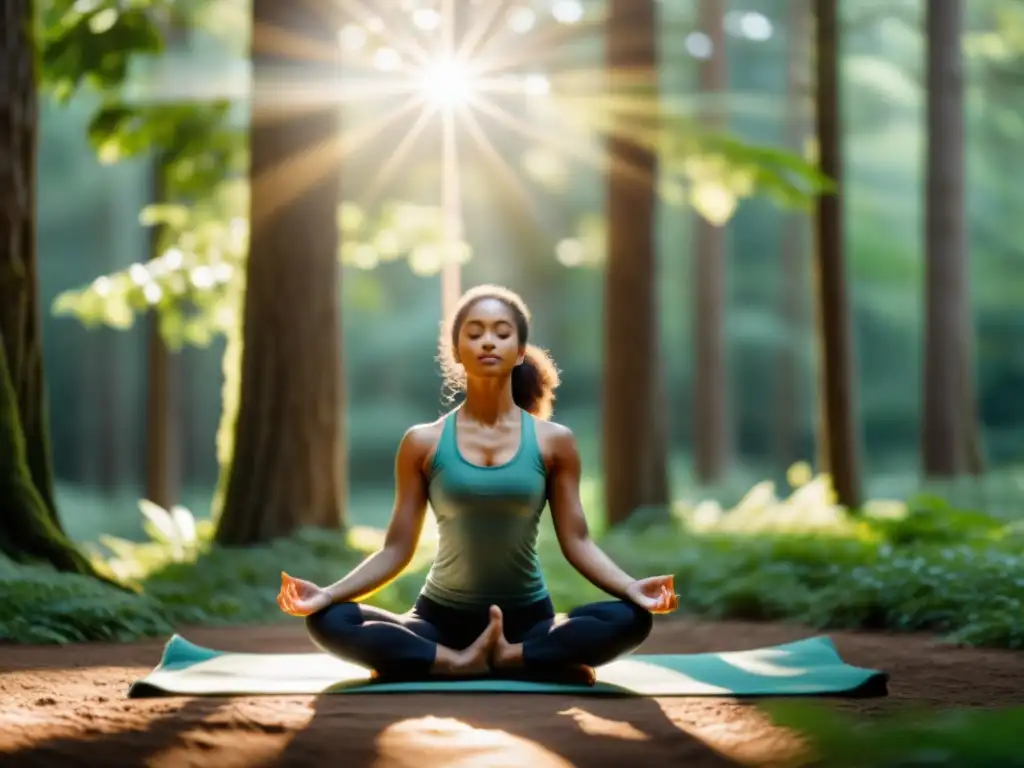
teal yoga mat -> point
(804, 668)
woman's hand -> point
(301, 598)
(656, 594)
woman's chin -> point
(490, 371)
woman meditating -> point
(488, 468)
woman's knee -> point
(333, 622)
(636, 622)
(632, 624)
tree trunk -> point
(634, 471)
(29, 527)
(287, 465)
(19, 304)
(163, 404)
(163, 417)
(710, 418)
(948, 397)
(792, 392)
(840, 447)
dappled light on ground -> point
(590, 723)
(748, 740)
(453, 743)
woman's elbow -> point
(574, 545)
(399, 553)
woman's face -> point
(488, 344)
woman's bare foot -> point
(508, 657)
(577, 674)
(504, 655)
(474, 660)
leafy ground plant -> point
(951, 739)
(917, 566)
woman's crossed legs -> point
(435, 640)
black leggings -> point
(405, 645)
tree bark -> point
(793, 392)
(163, 392)
(710, 387)
(840, 446)
(19, 303)
(949, 416)
(30, 530)
(287, 465)
(634, 461)
(163, 417)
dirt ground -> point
(67, 706)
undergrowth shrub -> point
(39, 605)
(921, 565)
(950, 739)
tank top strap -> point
(530, 451)
(446, 450)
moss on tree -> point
(28, 528)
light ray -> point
(504, 170)
(281, 184)
(268, 40)
(540, 45)
(595, 158)
(470, 46)
(402, 42)
(451, 209)
(521, 127)
(293, 97)
(398, 154)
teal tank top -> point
(487, 523)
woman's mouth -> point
(489, 359)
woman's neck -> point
(488, 400)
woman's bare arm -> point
(571, 524)
(403, 534)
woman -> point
(488, 468)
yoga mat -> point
(806, 667)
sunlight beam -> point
(404, 43)
(451, 210)
(281, 184)
(502, 168)
(590, 155)
(398, 155)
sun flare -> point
(447, 82)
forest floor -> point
(67, 706)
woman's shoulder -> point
(425, 434)
(555, 439)
(421, 439)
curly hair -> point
(533, 381)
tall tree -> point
(710, 398)
(29, 526)
(164, 466)
(633, 439)
(949, 420)
(792, 392)
(840, 441)
(287, 468)
(163, 391)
